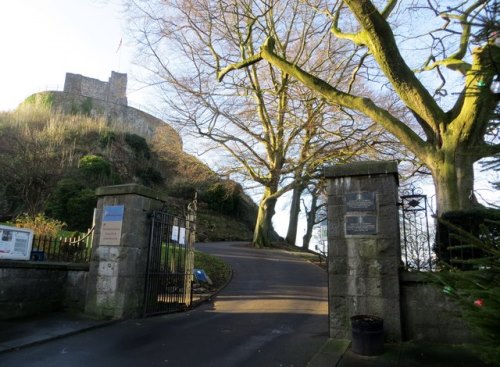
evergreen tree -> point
(477, 291)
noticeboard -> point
(360, 225)
(361, 201)
(179, 235)
(15, 243)
(111, 228)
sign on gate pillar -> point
(363, 245)
(111, 228)
(117, 273)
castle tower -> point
(117, 88)
(114, 91)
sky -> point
(41, 40)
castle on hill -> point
(107, 99)
(114, 90)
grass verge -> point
(217, 270)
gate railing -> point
(63, 249)
(169, 273)
(416, 250)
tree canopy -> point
(274, 131)
(445, 117)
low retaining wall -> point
(29, 288)
(427, 314)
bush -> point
(106, 138)
(138, 145)
(221, 198)
(183, 190)
(149, 176)
(57, 207)
(40, 224)
(478, 291)
(95, 165)
(72, 203)
(80, 209)
(86, 106)
(450, 248)
(44, 100)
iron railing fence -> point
(169, 273)
(62, 249)
(417, 236)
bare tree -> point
(269, 128)
(446, 134)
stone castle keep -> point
(114, 91)
(96, 98)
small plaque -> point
(361, 201)
(360, 225)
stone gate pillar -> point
(119, 251)
(363, 246)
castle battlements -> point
(114, 90)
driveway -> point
(273, 313)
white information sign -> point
(111, 228)
(182, 236)
(175, 233)
(15, 243)
(179, 235)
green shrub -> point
(40, 224)
(95, 166)
(149, 176)
(45, 100)
(450, 248)
(477, 291)
(138, 145)
(80, 209)
(183, 190)
(86, 106)
(57, 207)
(106, 138)
(72, 203)
(221, 198)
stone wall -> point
(427, 314)
(30, 288)
(114, 90)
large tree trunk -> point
(311, 219)
(263, 225)
(291, 235)
(454, 182)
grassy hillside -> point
(52, 163)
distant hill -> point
(58, 147)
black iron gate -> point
(169, 273)
(416, 238)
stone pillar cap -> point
(366, 168)
(132, 188)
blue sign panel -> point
(113, 213)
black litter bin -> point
(367, 335)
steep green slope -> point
(52, 162)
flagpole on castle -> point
(118, 51)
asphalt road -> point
(273, 313)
